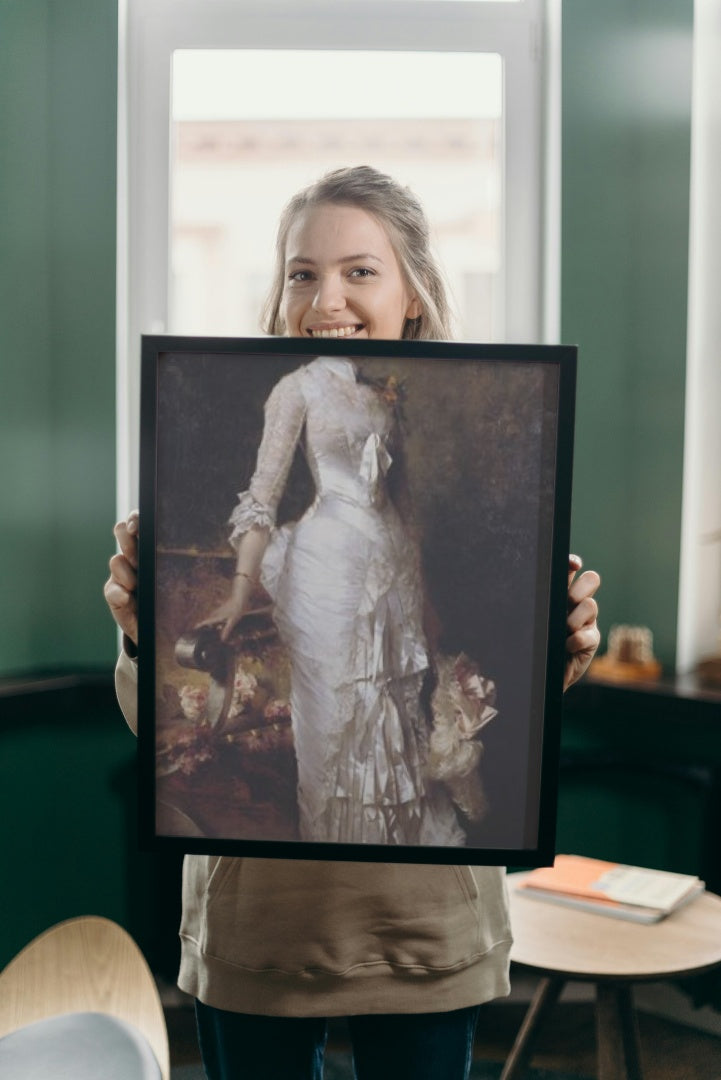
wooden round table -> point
(562, 944)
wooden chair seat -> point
(84, 965)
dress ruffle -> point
(247, 514)
(377, 792)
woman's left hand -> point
(583, 636)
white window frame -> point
(526, 34)
(699, 597)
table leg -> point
(545, 997)
(617, 1033)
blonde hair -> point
(403, 217)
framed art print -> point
(353, 572)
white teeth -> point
(335, 332)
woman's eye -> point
(362, 272)
(300, 276)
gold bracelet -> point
(242, 573)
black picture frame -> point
(487, 435)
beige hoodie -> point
(286, 937)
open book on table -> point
(624, 892)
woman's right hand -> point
(228, 614)
(120, 589)
(247, 573)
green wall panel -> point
(641, 778)
(60, 774)
(68, 790)
(58, 75)
(82, 300)
(26, 490)
(626, 146)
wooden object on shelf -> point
(629, 657)
(708, 671)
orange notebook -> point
(633, 892)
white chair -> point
(80, 1002)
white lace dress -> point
(348, 605)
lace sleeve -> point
(284, 417)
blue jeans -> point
(414, 1046)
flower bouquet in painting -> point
(225, 758)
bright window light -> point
(238, 155)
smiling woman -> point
(353, 259)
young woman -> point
(271, 948)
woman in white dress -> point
(345, 579)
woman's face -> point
(342, 277)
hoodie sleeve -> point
(126, 688)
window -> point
(235, 162)
(699, 623)
(227, 107)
